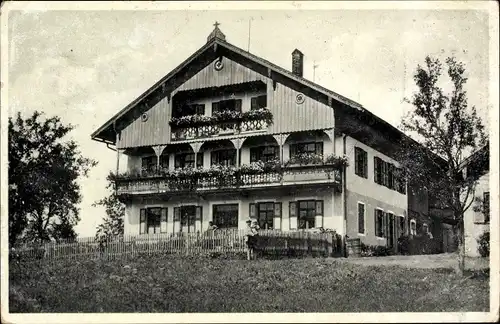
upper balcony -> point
(229, 110)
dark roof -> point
(478, 156)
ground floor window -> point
(225, 216)
(153, 220)
(379, 223)
(265, 215)
(361, 218)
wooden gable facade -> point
(291, 112)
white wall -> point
(473, 221)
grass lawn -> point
(169, 284)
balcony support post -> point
(158, 151)
(237, 142)
(196, 148)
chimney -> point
(297, 63)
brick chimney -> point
(297, 63)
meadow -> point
(193, 284)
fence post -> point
(187, 244)
(330, 244)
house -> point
(477, 218)
(227, 136)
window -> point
(225, 216)
(402, 225)
(377, 169)
(188, 216)
(379, 223)
(264, 153)
(163, 162)
(361, 162)
(188, 110)
(149, 163)
(186, 160)
(413, 227)
(308, 209)
(361, 218)
(486, 206)
(224, 157)
(258, 102)
(265, 215)
(226, 105)
(425, 228)
(306, 148)
(385, 174)
(153, 220)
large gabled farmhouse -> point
(227, 136)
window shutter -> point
(237, 105)
(177, 214)
(163, 224)
(262, 101)
(199, 213)
(377, 225)
(253, 103)
(365, 165)
(277, 209)
(142, 221)
(319, 207)
(356, 161)
(252, 211)
(376, 169)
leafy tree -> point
(112, 225)
(43, 172)
(446, 126)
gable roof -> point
(100, 133)
(218, 46)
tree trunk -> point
(461, 247)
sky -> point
(85, 66)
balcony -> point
(223, 123)
(219, 178)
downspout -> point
(344, 194)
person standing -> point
(250, 236)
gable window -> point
(361, 162)
(486, 206)
(379, 223)
(186, 160)
(226, 105)
(225, 216)
(361, 218)
(183, 109)
(377, 169)
(223, 157)
(258, 102)
(306, 148)
(149, 163)
(264, 153)
(153, 220)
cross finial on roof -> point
(216, 33)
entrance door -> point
(188, 217)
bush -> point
(417, 245)
(374, 250)
(484, 244)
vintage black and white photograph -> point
(224, 158)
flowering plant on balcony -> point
(336, 161)
(305, 159)
(227, 116)
(190, 121)
(258, 114)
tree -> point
(112, 225)
(447, 127)
(44, 169)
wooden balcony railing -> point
(300, 175)
(223, 128)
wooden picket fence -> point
(268, 243)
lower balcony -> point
(208, 180)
